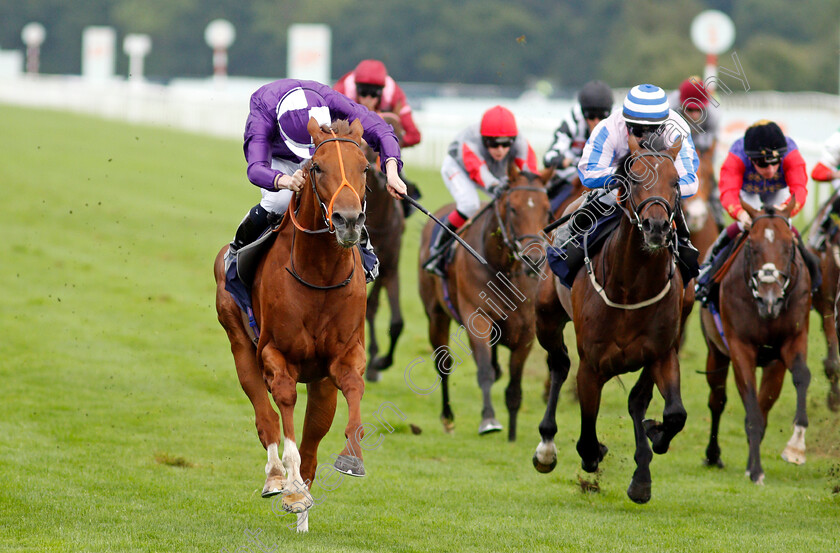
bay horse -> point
(824, 305)
(698, 213)
(765, 300)
(385, 225)
(493, 302)
(628, 308)
(309, 301)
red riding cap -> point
(371, 72)
(693, 94)
(498, 121)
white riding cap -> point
(646, 104)
(293, 112)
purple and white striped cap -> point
(646, 104)
(293, 112)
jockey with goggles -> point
(370, 85)
(646, 115)
(762, 168)
(277, 144)
(478, 159)
(595, 102)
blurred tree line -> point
(781, 46)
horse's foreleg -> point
(637, 404)
(831, 363)
(666, 373)
(794, 353)
(283, 388)
(444, 362)
(392, 287)
(743, 366)
(589, 385)
(717, 369)
(486, 378)
(320, 412)
(352, 386)
(513, 393)
(372, 373)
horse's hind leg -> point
(831, 363)
(637, 404)
(372, 373)
(794, 354)
(589, 385)
(392, 287)
(439, 338)
(513, 393)
(320, 412)
(666, 374)
(545, 458)
(717, 369)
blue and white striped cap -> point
(646, 104)
(293, 112)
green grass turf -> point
(123, 427)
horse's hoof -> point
(274, 485)
(297, 502)
(713, 464)
(542, 467)
(488, 426)
(833, 400)
(794, 455)
(381, 363)
(372, 375)
(639, 493)
(760, 480)
(351, 466)
(448, 425)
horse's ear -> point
(513, 172)
(788, 208)
(751, 211)
(674, 150)
(356, 130)
(546, 174)
(633, 144)
(315, 131)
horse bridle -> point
(636, 212)
(767, 274)
(510, 239)
(326, 212)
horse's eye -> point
(367, 168)
(316, 168)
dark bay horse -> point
(385, 225)
(765, 299)
(309, 301)
(824, 305)
(493, 302)
(628, 308)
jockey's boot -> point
(437, 259)
(251, 227)
(412, 192)
(813, 264)
(687, 254)
(370, 262)
(710, 267)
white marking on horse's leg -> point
(546, 452)
(274, 464)
(303, 522)
(291, 460)
(795, 450)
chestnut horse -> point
(494, 301)
(628, 308)
(765, 300)
(824, 305)
(309, 302)
(385, 225)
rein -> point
(514, 244)
(768, 274)
(326, 213)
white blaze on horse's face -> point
(769, 235)
(531, 202)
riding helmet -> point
(764, 139)
(693, 94)
(370, 72)
(646, 104)
(498, 121)
(595, 95)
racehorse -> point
(385, 225)
(824, 305)
(493, 302)
(627, 318)
(765, 299)
(698, 213)
(309, 301)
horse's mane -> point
(340, 127)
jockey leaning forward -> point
(646, 115)
(478, 159)
(370, 85)
(764, 167)
(277, 143)
(595, 102)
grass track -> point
(111, 360)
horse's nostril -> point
(338, 220)
(646, 225)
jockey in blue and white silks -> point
(647, 114)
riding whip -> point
(467, 247)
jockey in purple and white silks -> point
(277, 143)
